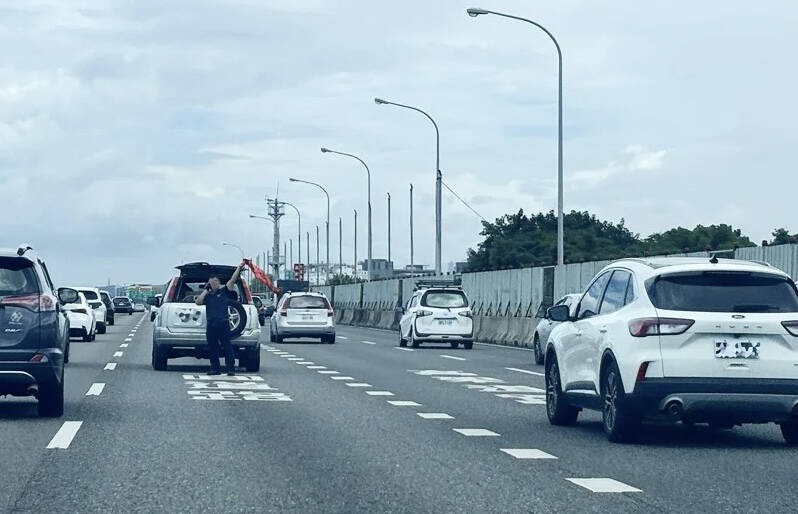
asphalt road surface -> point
(359, 426)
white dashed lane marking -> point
(63, 438)
(604, 485)
(118, 354)
(110, 366)
(327, 372)
(527, 453)
(476, 432)
(404, 403)
(317, 367)
(452, 357)
(128, 339)
(305, 363)
(379, 393)
(368, 342)
(434, 415)
(95, 389)
(123, 345)
(295, 358)
(404, 349)
(358, 384)
(526, 371)
(342, 337)
(342, 378)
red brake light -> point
(791, 327)
(421, 313)
(465, 314)
(80, 311)
(641, 372)
(39, 357)
(34, 302)
(643, 327)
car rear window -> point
(306, 302)
(188, 290)
(444, 299)
(17, 277)
(723, 292)
(90, 295)
(121, 301)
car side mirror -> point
(269, 310)
(400, 310)
(559, 313)
(152, 300)
(67, 295)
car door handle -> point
(578, 333)
(603, 330)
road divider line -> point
(63, 438)
(403, 403)
(603, 485)
(527, 453)
(95, 389)
(110, 366)
(305, 363)
(368, 342)
(358, 384)
(328, 372)
(123, 345)
(526, 371)
(342, 337)
(404, 349)
(379, 393)
(128, 339)
(453, 357)
(342, 378)
(434, 415)
(118, 354)
(476, 432)
(317, 367)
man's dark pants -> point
(218, 334)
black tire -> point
(159, 358)
(130, 313)
(454, 346)
(328, 339)
(51, 399)
(412, 339)
(66, 352)
(252, 360)
(537, 349)
(237, 318)
(558, 410)
(101, 329)
(86, 337)
(619, 421)
(402, 340)
(111, 321)
(94, 335)
(468, 345)
(789, 430)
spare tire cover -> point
(237, 317)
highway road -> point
(359, 426)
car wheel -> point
(66, 352)
(620, 422)
(111, 322)
(412, 339)
(86, 336)
(557, 409)
(454, 346)
(468, 345)
(402, 340)
(328, 339)
(538, 351)
(789, 430)
(101, 329)
(129, 313)
(159, 358)
(252, 361)
(94, 335)
(51, 399)
(237, 319)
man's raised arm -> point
(232, 282)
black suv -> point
(123, 304)
(109, 308)
(34, 331)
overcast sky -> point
(136, 134)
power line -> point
(464, 202)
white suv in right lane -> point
(698, 340)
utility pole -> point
(285, 254)
(355, 263)
(318, 280)
(275, 211)
(389, 227)
(411, 227)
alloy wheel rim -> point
(551, 388)
(610, 400)
(233, 318)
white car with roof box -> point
(437, 312)
(696, 340)
(303, 314)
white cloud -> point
(634, 159)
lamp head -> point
(292, 179)
(474, 12)
(379, 101)
(325, 150)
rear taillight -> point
(641, 371)
(284, 311)
(35, 302)
(643, 327)
(791, 327)
(465, 314)
(329, 312)
(39, 357)
(421, 313)
(79, 311)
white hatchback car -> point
(82, 322)
(303, 315)
(437, 314)
(92, 295)
(697, 340)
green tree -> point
(339, 279)
(781, 236)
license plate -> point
(445, 322)
(306, 317)
(737, 349)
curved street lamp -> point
(327, 273)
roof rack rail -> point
(454, 282)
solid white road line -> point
(63, 438)
(368, 342)
(404, 403)
(434, 415)
(95, 389)
(118, 354)
(110, 366)
(404, 349)
(342, 378)
(358, 384)
(328, 372)
(527, 453)
(475, 432)
(123, 345)
(505, 347)
(526, 371)
(452, 357)
(603, 485)
(379, 393)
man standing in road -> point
(215, 298)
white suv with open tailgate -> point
(437, 312)
(698, 340)
(303, 314)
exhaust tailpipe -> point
(674, 409)
(33, 391)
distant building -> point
(414, 270)
(380, 268)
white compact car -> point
(92, 295)
(303, 314)
(82, 322)
(698, 340)
(437, 312)
(546, 325)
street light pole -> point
(389, 227)
(327, 276)
(298, 231)
(368, 177)
(308, 246)
(411, 227)
(438, 179)
(318, 281)
(474, 12)
(355, 264)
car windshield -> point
(723, 292)
(444, 299)
(17, 277)
(306, 302)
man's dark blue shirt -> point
(216, 305)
